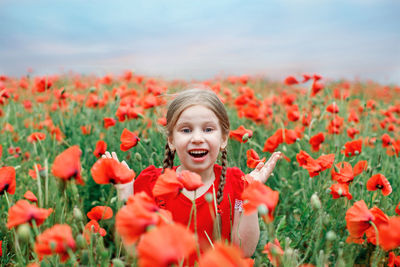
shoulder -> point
(146, 179)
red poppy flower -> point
(86, 129)
(316, 141)
(393, 260)
(100, 213)
(256, 194)
(387, 239)
(290, 80)
(316, 87)
(140, 212)
(167, 184)
(190, 180)
(93, 227)
(108, 170)
(162, 121)
(253, 159)
(1, 250)
(273, 141)
(34, 137)
(378, 181)
(109, 122)
(353, 116)
(397, 209)
(55, 240)
(128, 140)
(380, 219)
(344, 173)
(32, 172)
(223, 255)
(386, 140)
(241, 134)
(30, 196)
(352, 148)
(340, 190)
(332, 108)
(306, 77)
(360, 167)
(24, 212)
(358, 218)
(314, 166)
(274, 252)
(293, 113)
(7, 180)
(173, 243)
(335, 125)
(101, 148)
(67, 165)
(351, 132)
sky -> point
(352, 39)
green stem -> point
(39, 185)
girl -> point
(197, 131)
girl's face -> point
(197, 138)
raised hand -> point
(264, 170)
(124, 190)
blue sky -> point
(201, 39)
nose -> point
(197, 136)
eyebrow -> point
(184, 123)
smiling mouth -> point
(198, 153)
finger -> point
(108, 155)
(259, 166)
(126, 164)
(114, 156)
(103, 156)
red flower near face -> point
(167, 184)
(108, 170)
(352, 148)
(223, 255)
(256, 194)
(30, 196)
(388, 234)
(67, 165)
(173, 243)
(93, 227)
(253, 159)
(340, 190)
(55, 240)
(316, 141)
(378, 181)
(241, 134)
(32, 172)
(190, 180)
(290, 80)
(332, 108)
(109, 122)
(128, 140)
(24, 212)
(7, 180)
(101, 148)
(34, 137)
(100, 213)
(274, 252)
(358, 218)
(132, 220)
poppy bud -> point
(289, 252)
(340, 192)
(209, 197)
(113, 200)
(138, 157)
(24, 232)
(80, 241)
(77, 214)
(331, 236)
(315, 201)
(356, 152)
(117, 263)
(92, 89)
(284, 148)
(245, 137)
(262, 209)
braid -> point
(224, 163)
(168, 158)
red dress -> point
(180, 206)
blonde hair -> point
(186, 99)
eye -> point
(185, 130)
(208, 129)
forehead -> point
(197, 113)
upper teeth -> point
(198, 151)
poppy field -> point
(331, 201)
